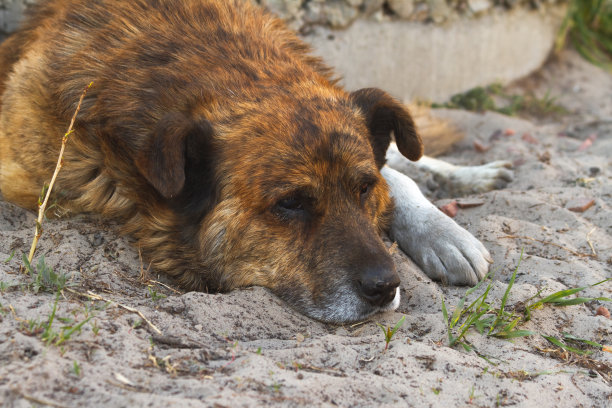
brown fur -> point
(224, 148)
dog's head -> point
(291, 197)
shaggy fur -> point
(223, 147)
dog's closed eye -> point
(364, 188)
(293, 207)
(290, 204)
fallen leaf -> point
(602, 311)
(580, 204)
(479, 147)
(450, 209)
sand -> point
(247, 348)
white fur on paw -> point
(447, 253)
(477, 179)
(443, 249)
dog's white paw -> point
(456, 180)
(462, 180)
(443, 249)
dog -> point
(225, 149)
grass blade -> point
(66, 335)
(500, 313)
(451, 340)
(558, 343)
(398, 325)
(571, 337)
(514, 334)
(577, 301)
(557, 297)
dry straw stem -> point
(95, 296)
(60, 162)
(41, 401)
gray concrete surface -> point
(11, 12)
(433, 62)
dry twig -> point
(60, 162)
(41, 401)
(128, 308)
(95, 296)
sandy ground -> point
(247, 348)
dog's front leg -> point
(444, 250)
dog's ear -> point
(165, 161)
(383, 115)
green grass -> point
(69, 326)
(586, 346)
(43, 276)
(389, 332)
(154, 295)
(76, 369)
(495, 98)
(51, 336)
(588, 28)
(7, 260)
(503, 321)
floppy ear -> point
(164, 161)
(385, 114)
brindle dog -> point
(222, 146)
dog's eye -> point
(364, 188)
(290, 204)
(297, 206)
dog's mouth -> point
(346, 307)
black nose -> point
(378, 285)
